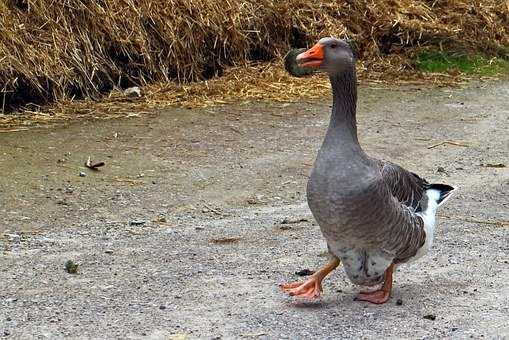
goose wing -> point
(406, 186)
(404, 230)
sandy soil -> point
(199, 214)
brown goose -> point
(374, 214)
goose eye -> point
(333, 45)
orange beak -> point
(312, 57)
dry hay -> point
(243, 84)
(73, 49)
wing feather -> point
(407, 232)
(407, 187)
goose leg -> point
(312, 287)
(382, 295)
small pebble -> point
(82, 174)
(252, 200)
(304, 272)
(162, 307)
(399, 302)
(71, 267)
(431, 317)
(287, 220)
(137, 222)
(133, 92)
(108, 251)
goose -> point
(374, 214)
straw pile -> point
(73, 49)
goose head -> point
(330, 55)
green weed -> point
(469, 64)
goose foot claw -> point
(309, 289)
(312, 287)
(376, 297)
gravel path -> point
(199, 214)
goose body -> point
(373, 214)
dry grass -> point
(74, 49)
(244, 84)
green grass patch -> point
(469, 64)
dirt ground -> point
(199, 214)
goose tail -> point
(439, 193)
(436, 194)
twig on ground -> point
(128, 180)
(500, 223)
(447, 142)
(214, 210)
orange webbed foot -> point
(309, 289)
(376, 297)
(382, 295)
(312, 287)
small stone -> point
(399, 302)
(162, 307)
(304, 272)
(7, 333)
(137, 222)
(199, 228)
(252, 200)
(288, 220)
(133, 92)
(82, 174)
(431, 317)
(14, 238)
(108, 251)
(440, 169)
(71, 267)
